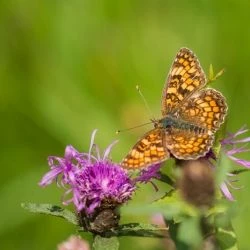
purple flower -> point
(146, 175)
(66, 166)
(231, 146)
(90, 178)
(74, 242)
(101, 181)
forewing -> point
(188, 144)
(185, 77)
(147, 151)
(206, 109)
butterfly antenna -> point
(145, 102)
(138, 126)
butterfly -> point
(191, 114)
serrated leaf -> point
(141, 229)
(138, 230)
(101, 243)
(51, 210)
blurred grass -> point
(67, 67)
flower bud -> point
(196, 183)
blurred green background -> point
(67, 67)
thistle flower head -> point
(90, 178)
(102, 181)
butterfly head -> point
(156, 123)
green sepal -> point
(211, 76)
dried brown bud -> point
(105, 219)
(196, 183)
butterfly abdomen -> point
(169, 122)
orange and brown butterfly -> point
(191, 116)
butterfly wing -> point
(150, 149)
(183, 99)
(185, 77)
(188, 144)
(206, 109)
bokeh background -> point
(68, 67)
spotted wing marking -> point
(188, 145)
(206, 109)
(147, 151)
(185, 77)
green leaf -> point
(190, 232)
(219, 208)
(240, 171)
(227, 238)
(157, 206)
(138, 230)
(166, 179)
(51, 210)
(225, 234)
(101, 243)
(172, 206)
(141, 229)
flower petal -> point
(225, 191)
(50, 176)
(108, 149)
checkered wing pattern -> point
(188, 145)
(185, 77)
(147, 151)
(206, 109)
(196, 114)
